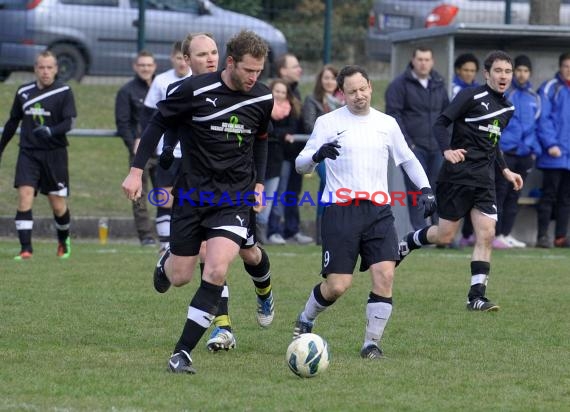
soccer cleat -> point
(403, 249)
(161, 282)
(24, 255)
(482, 304)
(64, 249)
(371, 352)
(181, 362)
(265, 311)
(221, 339)
(301, 327)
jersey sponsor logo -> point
(232, 127)
(494, 130)
(213, 101)
(37, 112)
(486, 104)
(231, 108)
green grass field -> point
(90, 334)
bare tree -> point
(544, 12)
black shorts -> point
(348, 231)
(251, 231)
(190, 225)
(455, 201)
(167, 178)
(45, 170)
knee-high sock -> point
(163, 225)
(62, 226)
(201, 312)
(222, 319)
(315, 304)
(260, 275)
(24, 224)
(479, 278)
(378, 311)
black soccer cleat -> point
(403, 249)
(161, 282)
(482, 304)
(371, 352)
(181, 362)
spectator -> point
(554, 136)
(466, 67)
(326, 97)
(416, 98)
(128, 110)
(164, 178)
(285, 119)
(520, 147)
(46, 108)
(289, 69)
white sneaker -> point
(302, 239)
(514, 242)
(221, 339)
(500, 243)
(276, 239)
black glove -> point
(327, 151)
(427, 200)
(42, 132)
(166, 157)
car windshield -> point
(178, 5)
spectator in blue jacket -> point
(520, 147)
(554, 136)
(466, 66)
(416, 98)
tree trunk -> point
(544, 12)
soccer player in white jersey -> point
(356, 142)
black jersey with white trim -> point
(218, 128)
(479, 115)
(51, 107)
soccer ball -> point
(308, 355)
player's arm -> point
(132, 185)
(11, 125)
(321, 145)
(441, 131)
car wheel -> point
(70, 61)
(4, 74)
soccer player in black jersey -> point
(46, 108)
(466, 183)
(222, 121)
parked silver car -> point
(99, 37)
(388, 16)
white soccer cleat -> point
(221, 339)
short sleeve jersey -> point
(479, 115)
(43, 107)
(217, 128)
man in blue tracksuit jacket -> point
(554, 136)
(520, 147)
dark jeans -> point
(431, 162)
(507, 197)
(555, 201)
(143, 223)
